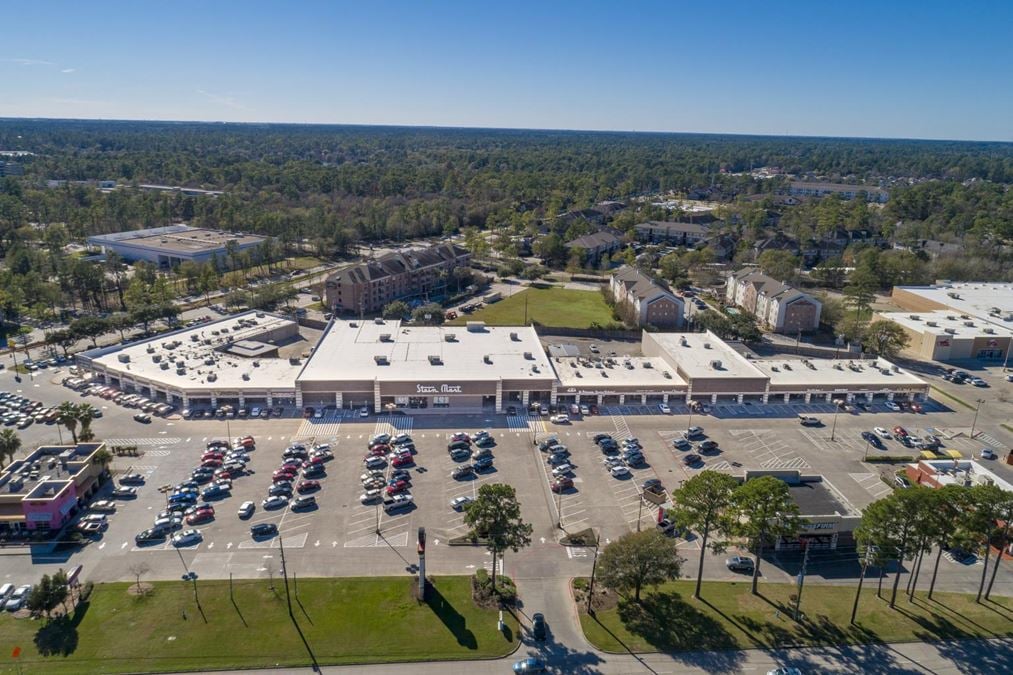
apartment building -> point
(678, 234)
(596, 245)
(401, 275)
(816, 189)
(778, 306)
(649, 301)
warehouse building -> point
(170, 246)
(943, 335)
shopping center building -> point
(385, 365)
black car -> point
(304, 502)
(485, 442)
(401, 474)
(538, 626)
(263, 529)
(708, 445)
(458, 445)
(548, 443)
(280, 489)
(609, 448)
(511, 410)
(149, 536)
(483, 464)
(460, 454)
(463, 471)
(871, 439)
(314, 471)
(598, 438)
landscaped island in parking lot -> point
(346, 620)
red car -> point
(289, 473)
(198, 517)
(212, 455)
(397, 487)
(899, 431)
(246, 441)
(307, 486)
(916, 407)
(312, 460)
(403, 460)
(562, 483)
(594, 409)
(460, 436)
(283, 478)
(213, 463)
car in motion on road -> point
(538, 630)
(529, 665)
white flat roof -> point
(956, 472)
(348, 351)
(271, 373)
(976, 299)
(948, 323)
(590, 377)
(696, 354)
(841, 373)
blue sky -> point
(923, 69)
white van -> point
(5, 592)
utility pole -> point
(284, 573)
(594, 568)
(801, 579)
(837, 409)
(640, 510)
(975, 422)
(858, 594)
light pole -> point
(594, 568)
(837, 409)
(640, 510)
(976, 409)
(559, 508)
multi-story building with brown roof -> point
(647, 301)
(778, 306)
(402, 275)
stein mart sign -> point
(442, 389)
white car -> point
(665, 410)
(18, 598)
(103, 506)
(681, 444)
(584, 410)
(274, 502)
(562, 470)
(254, 411)
(364, 412)
(890, 405)
(882, 433)
(370, 496)
(987, 453)
(561, 418)
(619, 471)
(460, 503)
(246, 509)
(187, 538)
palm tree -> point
(67, 416)
(10, 443)
(85, 414)
(103, 458)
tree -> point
(890, 525)
(885, 338)
(703, 504)
(952, 510)
(673, 270)
(861, 290)
(103, 458)
(766, 510)
(495, 516)
(139, 569)
(988, 504)
(85, 414)
(10, 443)
(398, 309)
(1004, 513)
(429, 315)
(550, 249)
(778, 264)
(719, 324)
(638, 559)
(67, 416)
(829, 272)
(48, 593)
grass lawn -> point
(558, 307)
(729, 617)
(345, 620)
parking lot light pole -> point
(377, 530)
(975, 422)
(559, 509)
(594, 568)
(640, 510)
(837, 409)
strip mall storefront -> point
(377, 395)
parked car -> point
(619, 471)
(693, 432)
(246, 509)
(371, 495)
(463, 471)
(263, 529)
(275, 502)
(482, 463)
(691, 459)
(561, 484)
(890, 405)
(987, 453)
(187, 537)
(664, 408)
(149, 536)
(529, 665)
(708, 445)
(304, 502)
(739, 563)
(123, 492)
(881, 432)
(460, 503)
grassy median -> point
(729, 617)
(347, 620)
(559, 307)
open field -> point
(345, 620)
(548, 306)
(729, 617)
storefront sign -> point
(442, 389)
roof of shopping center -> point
(842, 373)
(644, 372)
(199, 350)
(992, 302)
(391, 351)
(942, 322)
(705, 356)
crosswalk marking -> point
(142, 441)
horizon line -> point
(494, 128)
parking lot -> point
(340, 535)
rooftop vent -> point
(914, 317)
(435, 360)
(381, 360)
(683, 342)
(385, 337)
(931, 323)
(706, 345)
(378, 321)
(528, 356)
(487, 358)
(212, 377)
(951, 331)
(246, 376)
(988, 330)
(715, 364)
(954, 294)
(353, 324)
(951, 317)
(123, 358)
(969, 324)
(514, 337)
(450, 337)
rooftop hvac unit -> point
(246, 376)
(487, 358)
(951, 331)
(352, 324)
(435, 360)
(156, 358)
(123, 358)
(381, 360)
(528, 356)
(706, 345)
(950, 317)
(378, 321)
(212, 377)
(969, 324)
(715, 364)
(450, 337)
(988, 330)
(150, 349)
(964, 316)
(260, 315)
(181, 371)
(164, 365)
(953, 294)
(931, 323)
(514, 337)
(914, 317)
(896, 368)
(385, 337)
(683, 342)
